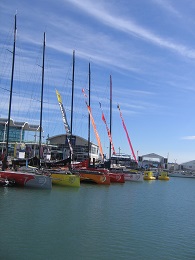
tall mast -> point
(11, 87)
(110, 115)
(72, 102)
(41, 112)
(89, 114)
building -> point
(152, 160)
(56, 147)
(16, 133)
(122, 160)
(60, 148)
(188, 166)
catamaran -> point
(63, 176)
(87, 173)
(20, 178)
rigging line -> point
(16, 93)
(8, 90)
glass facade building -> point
(15, 134)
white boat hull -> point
(182, 175)
(133, 177)
(27, 179)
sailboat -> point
(130, 174)
(87, 173)
(117, 177)
(63, 176)
(20, 178)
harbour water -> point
(149, 220)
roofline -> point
(23, 125)
(65, 135)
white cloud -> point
(168, 6)
(130, 27)
(192, 137)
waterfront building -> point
(152, 160)
(60, 148)
(56, 147)
(188, 165)
(122, 160)
(16, 133)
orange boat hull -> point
(114, 177)
(95, 178)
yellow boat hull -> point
(65, 179)
(148, 175)
(149, 178)
(163, 178)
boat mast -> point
(89, 114)
(41, 112)
(11, 87)
(110, 115)
(72, 102)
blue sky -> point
(148, 46)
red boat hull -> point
(114, 177)
(92, 176)
(117, 177)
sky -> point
(146, 46)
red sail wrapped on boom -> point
(109, 134)
(128, 138)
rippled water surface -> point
(149, 220)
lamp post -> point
(175, 164)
